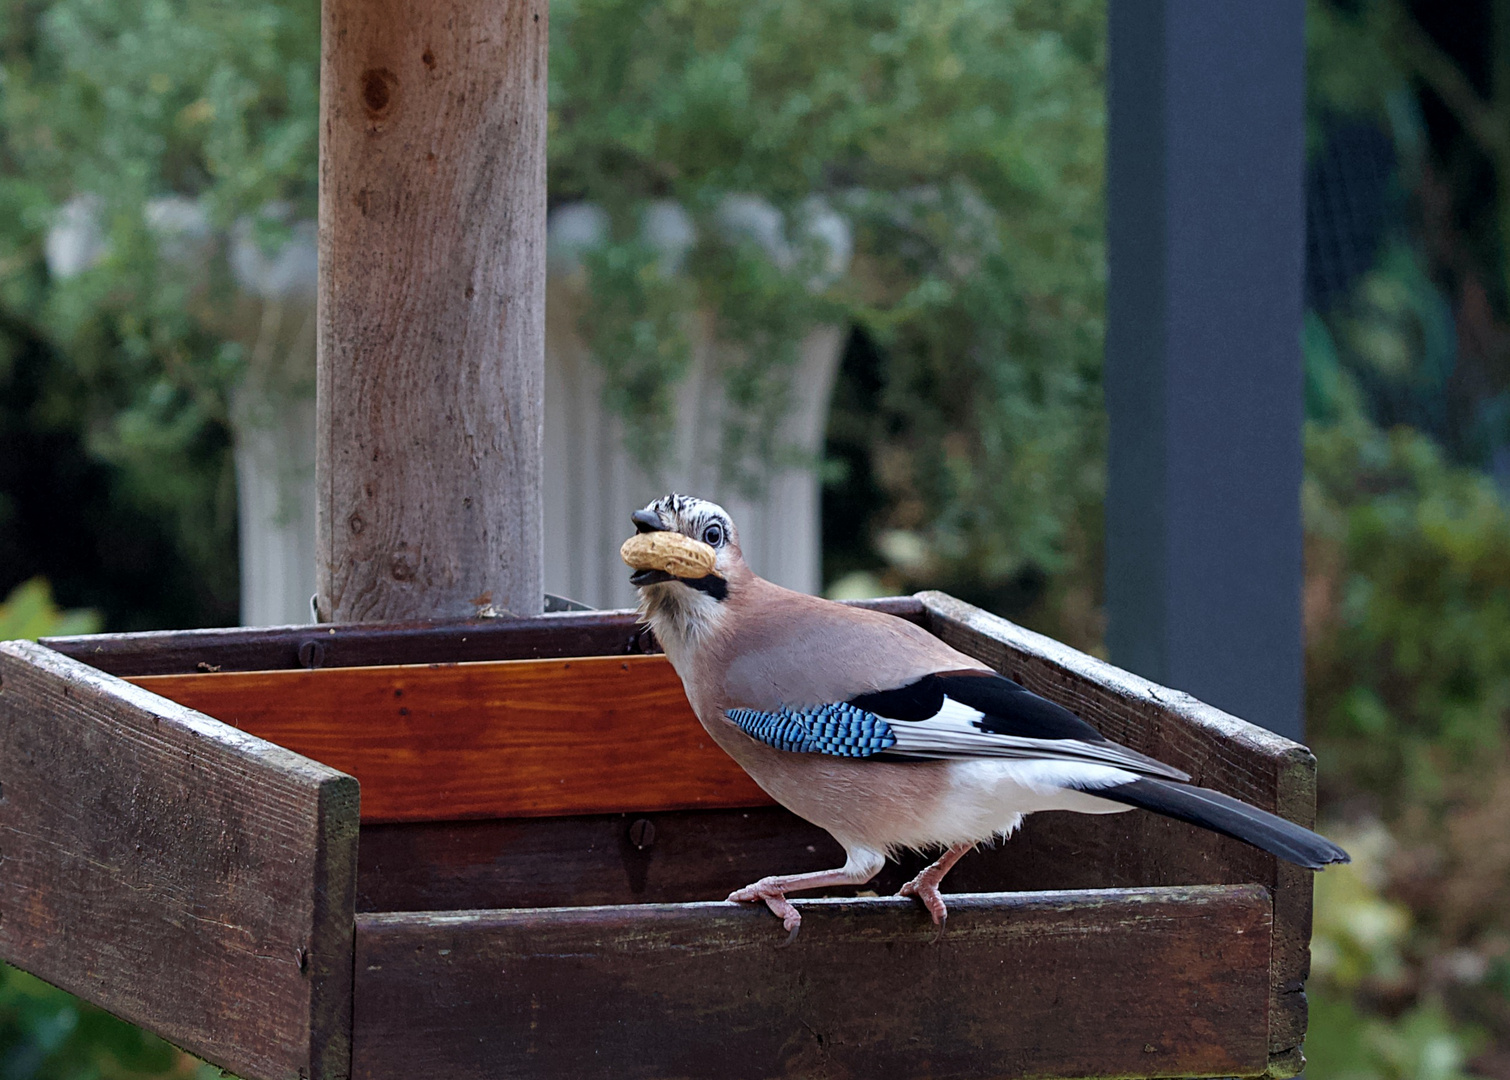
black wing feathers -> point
(1013, 709)
(1008, 707)
(915, 701)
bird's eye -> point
(713, 535)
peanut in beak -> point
(671, 552)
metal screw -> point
(312, 654)
(642, 833)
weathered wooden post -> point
(432, 308)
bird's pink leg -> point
(926, 885)
(773, 890)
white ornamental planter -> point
(593, 483)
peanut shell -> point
(678, 555)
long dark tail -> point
(1230, 817)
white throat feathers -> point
(681, 616)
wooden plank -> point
(1136, 983)
(277, 648)
(592, 633)
(181, 874)
(1290, 962)
(587, 860)
(512, 738)
(700, 855)
(431, 365)
(1218, 750)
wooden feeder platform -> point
(531, 885)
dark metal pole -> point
(1206, 240)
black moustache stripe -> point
(712, 584)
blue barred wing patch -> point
(840, 730)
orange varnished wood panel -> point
(511, 738)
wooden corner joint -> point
(1285, 1064)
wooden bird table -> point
(532, 884)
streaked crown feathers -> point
(691, 516)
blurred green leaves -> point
(672, 97)
(1408, 547)
(1358, 944)
(29, 612)
(46, 1034)
(1409, 609)
(148, 126)
(962, 140)
(1357, 934)
(1346, 1043)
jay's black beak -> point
(646, 521)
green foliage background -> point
(960, 137)
(122, 372)
(963, 141)
(1408, 552)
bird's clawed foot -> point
(770, 891)
(927, 891)
(926, 885)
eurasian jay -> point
(875, 730)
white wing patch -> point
(955, 732)
(1049, 777)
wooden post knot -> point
(379, 87)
